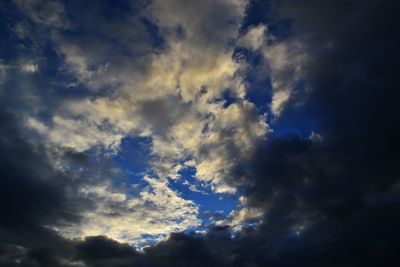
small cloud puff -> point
(29, 67)
(254, 38)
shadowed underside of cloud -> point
(329, 197)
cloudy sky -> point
(199, 133)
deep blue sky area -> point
(133, 158)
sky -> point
(199, 133)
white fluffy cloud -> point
(129, 216)
(242, 216)
(29, 67)
(173, 94)
(285, 60)
(254, 38)
(174, 97)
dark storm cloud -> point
(179, 250)
(343, 187)
(340, 192)
(101, 251)
(34, 195)
(331, 200)
(31, 195)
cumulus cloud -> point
(324, 194)
(254, 37)
(172, 91)
(174, 97)
(157, 210)
(286, 62)
(29, 67)
(243, 217)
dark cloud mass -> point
(32, 195)
(331, 198)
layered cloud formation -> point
(219, 133)
(143, 70)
